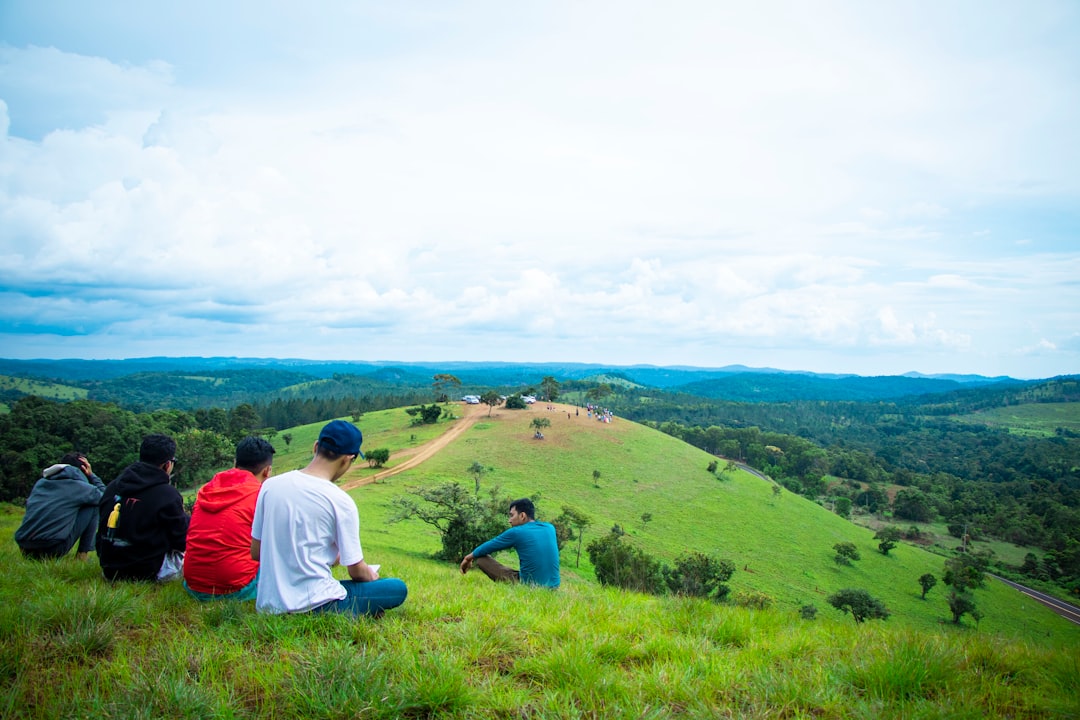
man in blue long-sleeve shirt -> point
(537, 549)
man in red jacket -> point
(218, 564)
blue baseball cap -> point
(341, 437)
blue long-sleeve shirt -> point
(537, 549)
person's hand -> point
(466, 563)
(84, 465)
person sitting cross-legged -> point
(304, 524)
(536, 545)
(218, 564)
(142, 527)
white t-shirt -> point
(304, 524)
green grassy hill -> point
(52, 391)
(72, 645)
(1042, 419)
(781, 545)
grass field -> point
(52, 391)
(1031, 419)
(72, 645)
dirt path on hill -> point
(416, 455)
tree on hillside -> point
(619, 564)
(539, 423)
(243, 421)
(845, 553)
(842, 506)
(596, 478)
(962, 574)
(912, 504)
(598, 392)
(444, 385)
(696, 574)
(549, 386)
(378, 457)
(428, 414)
(859, 603)
(477, 471)
(889, 536)
(463, 520)
(516, 402)
(287, 437)
(927, 581)
(200, 453)
(492, 399)
(576, 523)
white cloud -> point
(574, 178)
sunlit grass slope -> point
(781, 545)
(74, 646)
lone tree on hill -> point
(596, 478)
(927, 582)
(550, 387)
(539, 423)
(962, 573)
(492, 399)
(477, 471)
(845, 553)
(889, 536)
(859, 603)
(378, 457)
(576, 523)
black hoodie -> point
(150, 523)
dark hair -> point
(327, 452)
(254, 453)
(526, 506)
(157, 449)
(73, 458)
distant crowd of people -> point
(251, 535)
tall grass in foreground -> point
(75, 646)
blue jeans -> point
(368, 598)
(247, 592)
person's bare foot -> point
(81, 556)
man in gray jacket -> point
(61, 510)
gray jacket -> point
(55, 502)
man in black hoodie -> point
(61, 510)
(142, 528)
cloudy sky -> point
(866, 187)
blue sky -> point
(856, 187)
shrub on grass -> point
(696, 574)
(859, 603)
(752, 599)
(845, 553)
(619, 564)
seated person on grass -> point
(304, 525)
(142, 527)
(218, 564)
(537, 549)
(62, 509)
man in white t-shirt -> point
(304, 524)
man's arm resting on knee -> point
(467, 563)
(362, 572)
